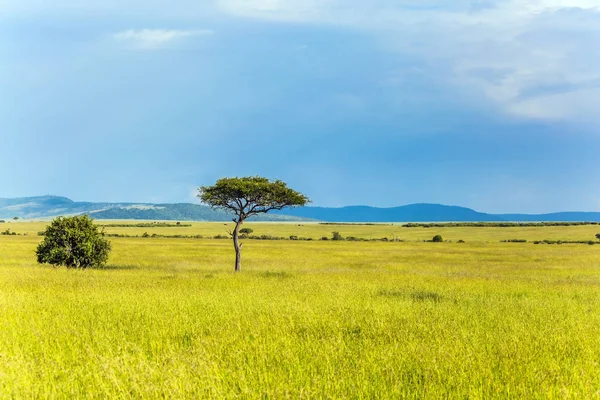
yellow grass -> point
(168, 319)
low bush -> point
(74, 242)
(336, 236)
(437, 239)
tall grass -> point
(166, 318)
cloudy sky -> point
(489, 104)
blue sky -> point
(489, 104)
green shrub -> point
(598, 236)
(293, 237)
(337, 236)
(437, 239)
(246, 231)
(74, 242)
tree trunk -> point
(237, 245)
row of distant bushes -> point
(149, 225)
(494, 224)
(336, 236)
(547, 241)
(353, 223)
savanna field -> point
(167, 317)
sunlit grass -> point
(168, 318)
(317, 231)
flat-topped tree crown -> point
(249, 196)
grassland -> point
(317, 231)
(168, 319)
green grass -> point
(316, 231)
(167, 318)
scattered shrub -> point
(597, 235)
(324, 238)
(437, 239)
(337, 236)
(8, 233)
(246, 231)
(145, 235)
(514, 241)
(461, 241)
(74, 242)
(293, 237)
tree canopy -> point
(246, 197)
(250, 196)
(74, 242)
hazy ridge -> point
(51, 206)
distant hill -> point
(179, 212)
(430, 213)
(51, 206)
(410, 213)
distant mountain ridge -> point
(409, 213)
(431, 213)
(51, 206)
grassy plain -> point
(168, 319)
(316, 231)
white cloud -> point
(157, 38)
(531, 58)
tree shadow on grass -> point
(276, 274)
(113, 267)
(416, 296)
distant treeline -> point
(352, 223)
(546, 241)
(336, 237)
(494, 224)
(148, 225)
(250, 237)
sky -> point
(488, 104)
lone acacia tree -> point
(246, 197)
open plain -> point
(168, 318)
